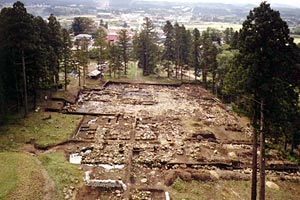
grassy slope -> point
(44, 132)
(62, 173)
(20, 177)
(230, 190)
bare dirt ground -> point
(157, 134)
(136, 140)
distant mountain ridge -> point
(53, 2)
(205, 11)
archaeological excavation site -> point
(136, 140)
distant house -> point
(95, 74)
(112, 35)
(83, 36)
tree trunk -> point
(181, 72)
(125, 68)
(195, 73)
(84, 75)
(34, 99)
(19, 95)
(168, 69)
(79, 77)
(285, 141)
(294, 141)
(65, 66)
(204, 79)
(262, 152)
(213, 83)
(25, 84)
(57, 75)
(254, 165)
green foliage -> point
(168, 53)
(267, 57)
(210, 38)
(101, 44)
(263, 69)
(31, 51)
(183, 43)
(146, 49)
(123, 43)
(66, 54)
(179, 186)
(228, 35)
(83, 25)
(196, 52)
(115, 65)
(292, 157)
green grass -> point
(134, 74)
(61, 172)
(229, 190)
(20, 177)
(131, 71)
(18, 130)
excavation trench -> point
(158, 133)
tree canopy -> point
(30, 56)
(266, 67)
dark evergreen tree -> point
(183, 42)
(267, 57)
(169, 47)
(146, 48)
(115, 62)
(209, 57)
(55, 41)
(66, 53)
(83, 25)
(234, 40)
(186, 51)
(196, 52)
(178, 47)
(101, 44)
(17, 40)
(228, 35)
(123, 43)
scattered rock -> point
(272, 185)
(214, 174)
(232, 155)
(144, 180)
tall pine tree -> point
(267, 58)
(169, 50)
(123, 42)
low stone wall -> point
(104, 183)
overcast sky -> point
(295, 3)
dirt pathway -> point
(136, 71)
(49, 187)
